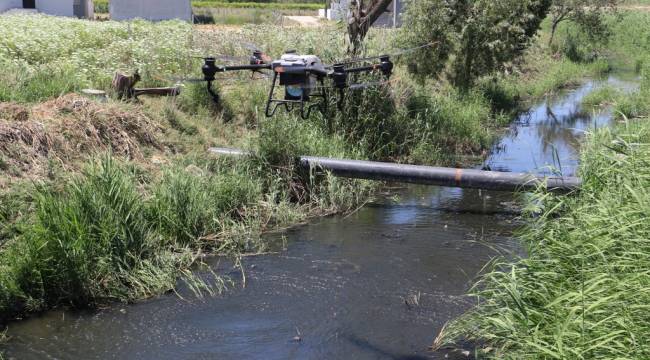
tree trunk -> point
(555, 22)
(361, 19)
(553, 30)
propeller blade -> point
(260, 75)
(185, 80)
(367, 85)
(177, 79)
(228, 58)
(250, 46)
(358, 60)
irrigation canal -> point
(378, 284)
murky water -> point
(378, 284)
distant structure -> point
(154, 10)
(339, 10)
(78, 8)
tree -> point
(470, 38)
(586, 13)
(362, 15)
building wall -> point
(55, 7)
(10, 4)
(388, 19)
(154, 10)
(83, 8)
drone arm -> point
(254, 67)
(385, 66)
(361, 69)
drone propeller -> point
(393, 55)
(359, 86)
(257, 51)
(368, 85)
(182, 79)
(226, 58)
(358, 60)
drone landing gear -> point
(213, 94)
(304, 102)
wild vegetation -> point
(466, 34)
(581, 292)
(237, 13)
(115, 201)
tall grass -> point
(91, 241)
(637, 104)
(583, 290)
(189, 204)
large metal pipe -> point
(428, 175)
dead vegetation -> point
(65, 130)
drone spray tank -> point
(302, 77)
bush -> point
(470, 39)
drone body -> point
(303, 78)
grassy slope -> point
(583, 291)
(125, 227)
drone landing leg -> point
(268, 111)
(213, 94)
(341, 101)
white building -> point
(154, 10)
(78, 8)
(339, 10)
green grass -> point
(604, 96)
(186, 206)
(126, 228)
(582, 292)
(86, 243)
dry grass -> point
(68, 129)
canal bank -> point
(379, 283)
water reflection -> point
(546, 139)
